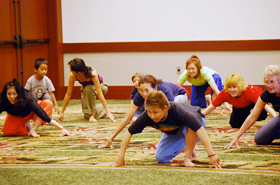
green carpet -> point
(51, 159)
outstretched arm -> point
(67, 96)
(100, 95)
(64, 132)
(209, 109)
(206, 142)
(121, 126)
(250, 120)
(125, 141)
(270, 110)
(216, 90)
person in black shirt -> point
(271, 130)
(180, 124)
(21, 106)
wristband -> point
(211, 155)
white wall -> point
(166, 20)
(169, 20)
(117, 68)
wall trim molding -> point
(231, 45)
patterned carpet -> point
(82, 148)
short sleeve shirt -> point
(179, 114)
(39, 87)
(206, 77)
(271, 98)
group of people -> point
(161, 105)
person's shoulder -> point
(94, 72)
(31, 78)
(72, 77)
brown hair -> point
(194, 60)
(78, 65)
(157, 99)
(140, 75)
(150, 79)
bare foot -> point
(92, 119)
(33, 134)
(194, 155)
(188, 163)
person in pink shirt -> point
(243, 98)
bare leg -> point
(191, 139)
(36, 125)
(28, 126)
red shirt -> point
(249, 96)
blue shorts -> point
(198, 92)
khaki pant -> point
(88, 97)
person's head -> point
(13, 93)
(193, 66)
(136, 78)
(157, 105)
(77, 66)
(235, 85)
(41, 67)
(148, 83)
(272, 78)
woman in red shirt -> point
(243, 98)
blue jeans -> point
(169, 145)
(268, 132)
(183, 98)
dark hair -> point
(150, 79)
(40, 61)
(22, 97)
(78, 65)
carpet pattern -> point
(82, 148)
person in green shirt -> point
(201, 77)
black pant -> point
(239, 115)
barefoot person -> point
(21, 106)
(148, 83)
(180, 124)
(92, 85)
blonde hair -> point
(235, 80)
(272, 70)
(157, 99)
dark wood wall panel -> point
(242, 45)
